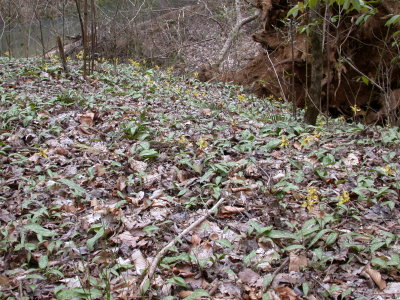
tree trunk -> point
(84, 33)
(62, 54)
(313, 100)
(86, 63)
(93, 33)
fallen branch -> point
(239, 23)
(145, 284)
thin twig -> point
(277, 77)
(266, 287)
(363, 74)
(159, 256)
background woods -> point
(357, 59)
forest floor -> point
(97, 176)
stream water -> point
(31, 37)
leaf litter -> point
(98, 176)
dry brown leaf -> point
(297, 145)
(4, 281)
(86, 119)
(140, 262)
(206, 112)
(375, 276)
(182, 175)
(157, 194)
(184, 294)
(126, 238)
(285, 292)
(297, 262)
(248, 276)
(183, 271)
(245, 188)
(121, 183)
(137, 165)
(151, 179)
(196, 240)
(100, 170)
(226, 210)
(351, 160)
(62, 151)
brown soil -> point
(354, 51)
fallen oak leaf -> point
(87, 119)
(245, 188)
(100, 170)
(227, 210)
(297, 262)
(285, 292)
(140, 262)
(206, 112)
(375, 276)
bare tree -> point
(313, 99)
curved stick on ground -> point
(146, 280)
(266, 287)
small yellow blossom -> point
(241, 98)
(284, 141)
(388, 170)
(270, 97)
(79, 55)
(355, 109)
(183, 140)
(316, 135)
(311, 198)
(306, 140)
(345, 197)
(202, 143)
(196, 74)
(134, 63)
(42, 153)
